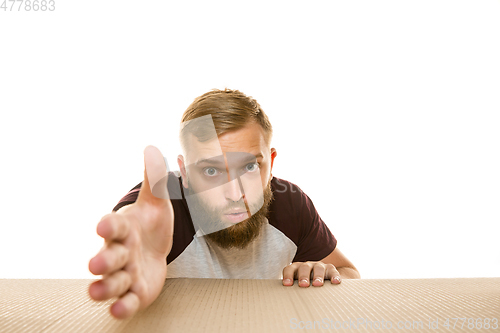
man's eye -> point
(251, 167)
(211, 172)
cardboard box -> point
(213, 305)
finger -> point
(113, 285)
(154, 187)
(288, 274)
(319, 270)
(113, 227)
(111, 258)
(332, 274)
(304, 274)
(126, 306)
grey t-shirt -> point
(205, 259)
(293, 232)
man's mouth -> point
(236, 216)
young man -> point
(223, 216)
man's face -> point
(228, 184)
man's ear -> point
(182, 167)
(274, 153)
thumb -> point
(154, 187)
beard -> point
(235, 236)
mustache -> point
(234, 205)
(240, 204)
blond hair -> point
(229, 109)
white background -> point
(386, 113)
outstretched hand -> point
(138, 239)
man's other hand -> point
(138, 239)
(303, 271)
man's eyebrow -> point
(259, 155)
(237, 160)
(217, 160)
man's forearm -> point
(348, 273)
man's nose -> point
(232, 190)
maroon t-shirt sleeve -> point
(294, 214)
(129, 198)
